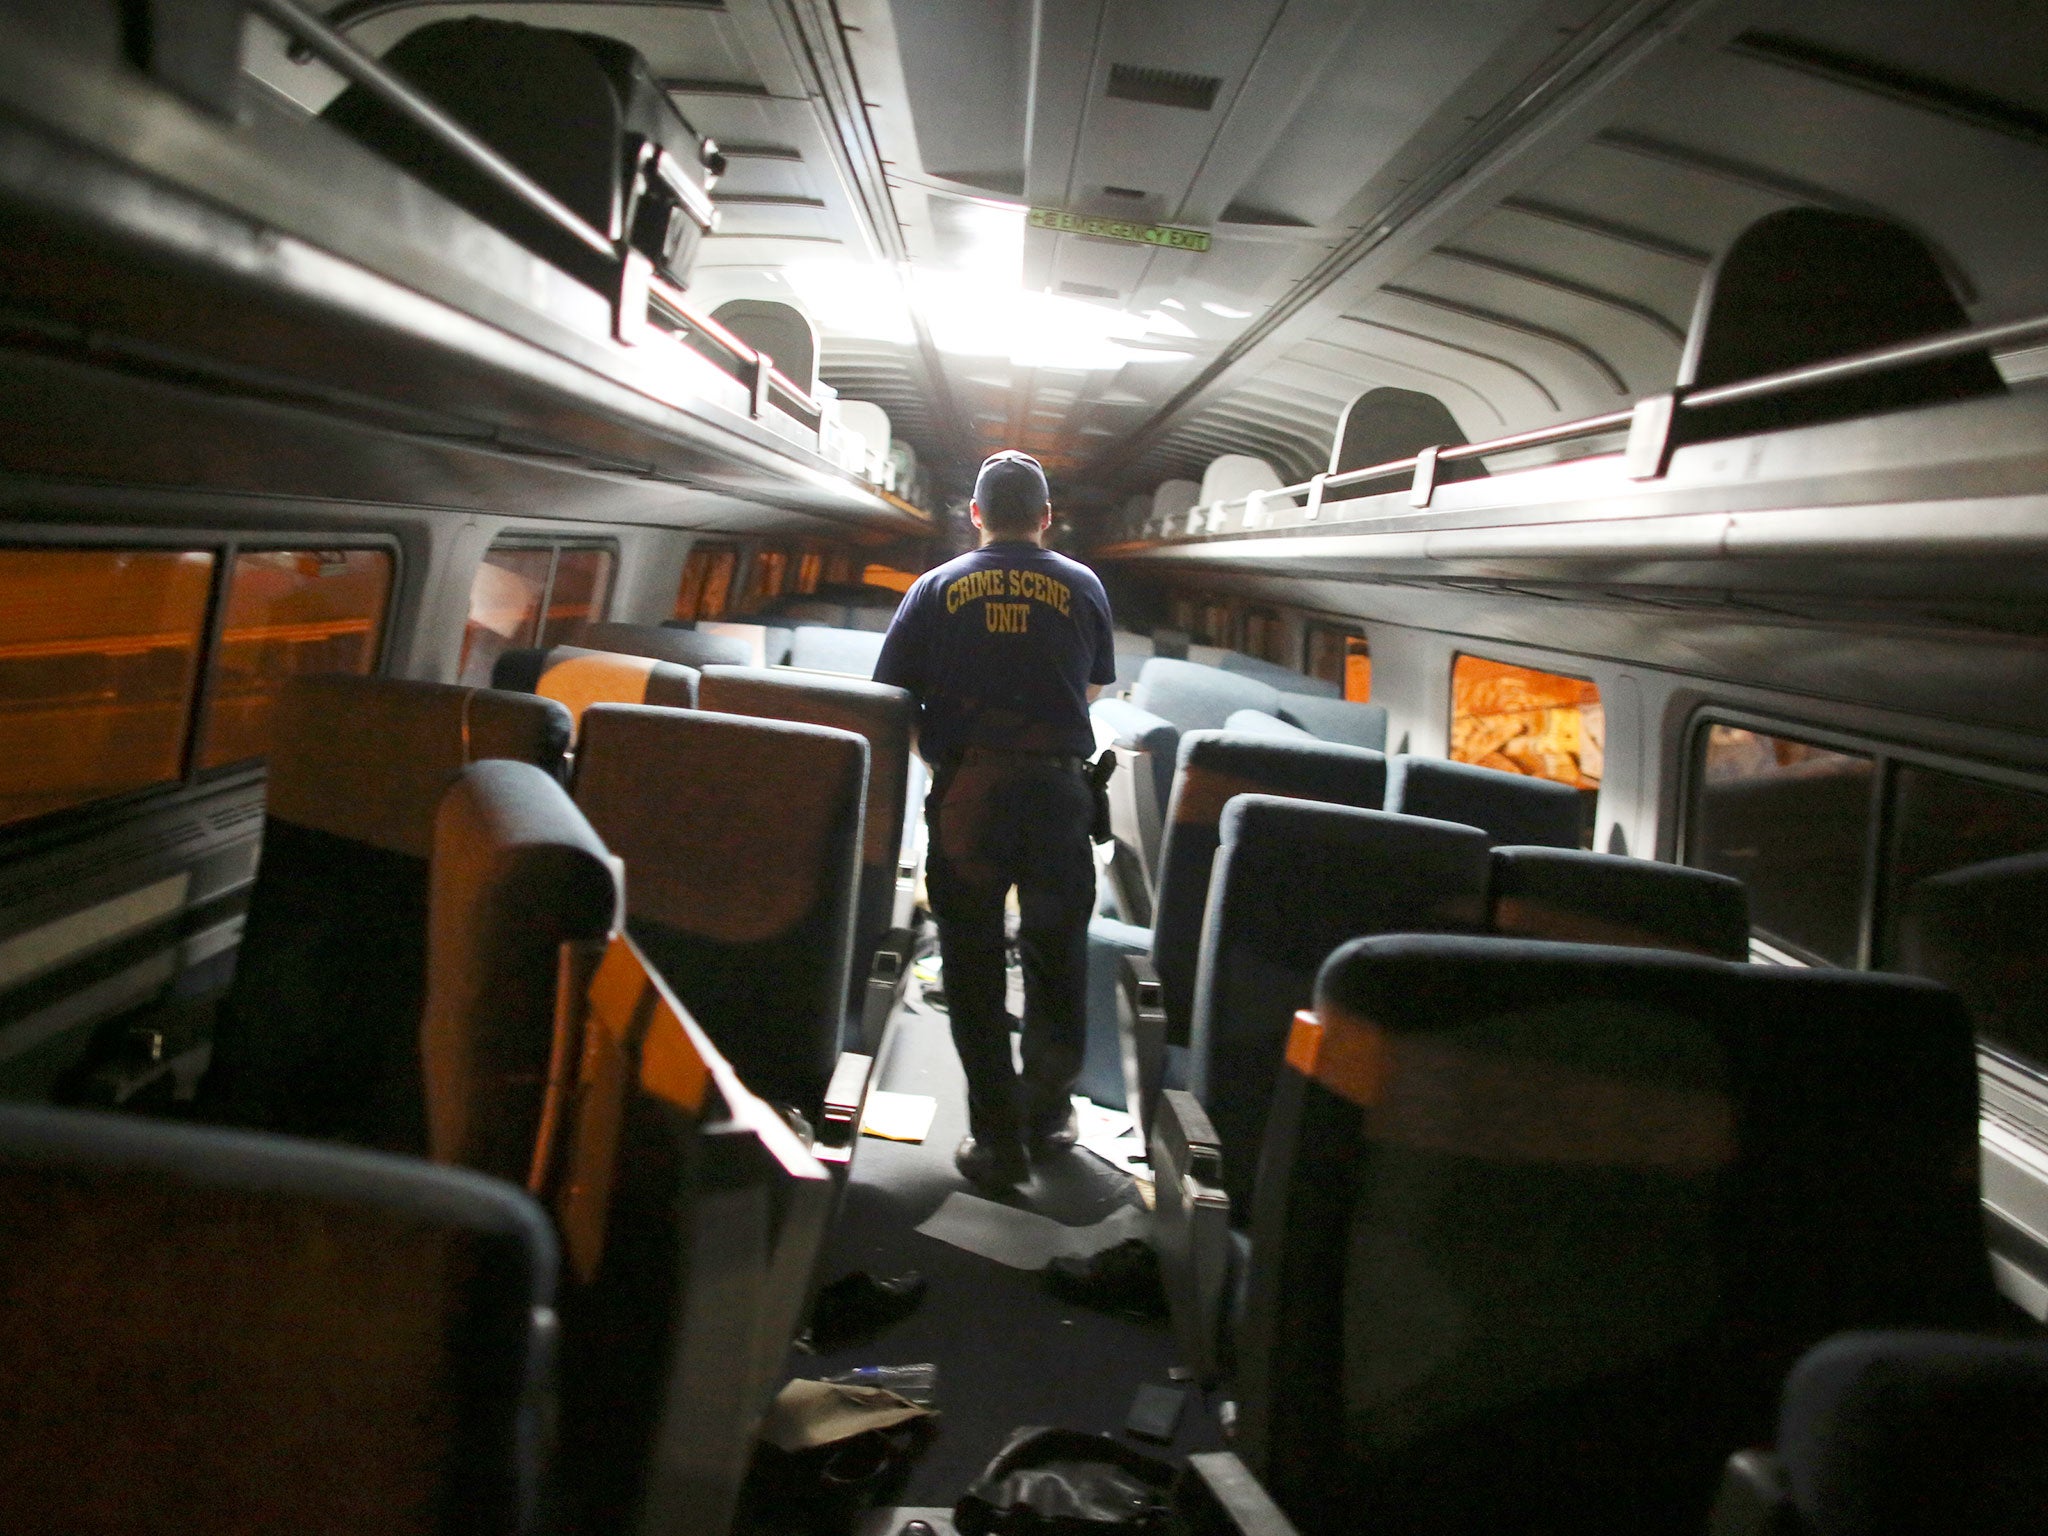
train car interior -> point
(1567, 988)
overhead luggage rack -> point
(1648, 503)
(272, 261)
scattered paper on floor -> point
(1112, 1136)
(898, 1116)
(813, 1413)
(1024, 1239)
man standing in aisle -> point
(1003, 649)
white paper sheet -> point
(1112, 1136)
(898, 1116)
(1024, 1239)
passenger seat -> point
(319, 1034)
(1900, 1434)
(742, 840)
(1511, 807)
(682, 647)
(849, 652)
(1578, 897)
(208, 1330)
(1574, 1212)
(517, 873)
(576, 677)
(885, 715)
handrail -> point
(1903, 354)
(1649, 420)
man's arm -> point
(1094, 692)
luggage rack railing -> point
(643, 305)
(1649, 422)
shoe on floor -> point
(857, 1306)
(1123, 1281)
(991, 1164)
(1059, 1140)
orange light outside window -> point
(1337, 655)
(99, 655)
(809, 570)
(291, 613)
(1521, 720)
(888, 578)
(1357, 669)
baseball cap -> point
(1011, 486)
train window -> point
(841, 567)
(810, 568)
(1339, 655)
(707, 581)
(531, 594)
(887, 577)
(99, 655)
(1520, 720)
(576, 595)
(504, 608)
(1264, 635)
(1791, 820)
(289, 613)
(766, 576)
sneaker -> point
(1057, 1141)
(991, 1164)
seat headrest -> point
(881, 712)
(1512, 807)
(1358, 725)
(577, 678)
(1213, 766)
(853, 652)
(1598, 898)
(1918, 1433)
(734, 842)
(684, 647)
(1197, 697)
(1254, 722)
(1978, 929)
(368, 758)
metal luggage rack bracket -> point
(644, 307)
(1649, 423)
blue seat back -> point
(1578, 897)
(1358, 725)
(850, 652)
(1197, 697)
(1512, 807)
(1293, 880)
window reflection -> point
(504, 609)
(99, 652)
(290, 613)
(1792, 821)
(576, 597)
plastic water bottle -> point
(914, 1383)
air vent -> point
(1089, 291)
(1163, 87)
(1122, 192)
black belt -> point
(1014, 754)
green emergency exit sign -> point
(1119, 229)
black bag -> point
(581, 114)
(1061, 1482)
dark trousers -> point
(998, 821)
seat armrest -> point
(1191, 1228)
(1218, 1496)
(1141, 1037)
(845, 1097)
(1183, 1138)
(888, 971)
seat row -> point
(438, 958)
(1541, 1229)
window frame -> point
(224, 545)
(1885, 755)
(555, 544)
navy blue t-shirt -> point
(999, 647)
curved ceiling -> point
(1506, 203)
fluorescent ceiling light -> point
(978, 314)
(1171, 304)
(1226, 311)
